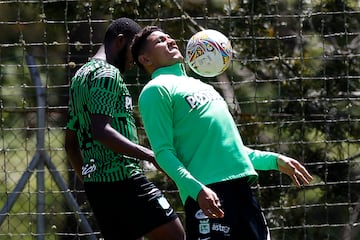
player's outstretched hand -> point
(294, 169)
(210, 203)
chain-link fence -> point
(292, 87)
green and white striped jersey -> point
(98, 88)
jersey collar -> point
(177, 69)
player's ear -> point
(144, 60)
(120, 41)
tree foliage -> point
(294, 80)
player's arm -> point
(294, 169)
(104, 133)
(264, 160)
(73, 151)
(156, 112)
(102, 109)
(155, 107)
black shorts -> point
(128, 209)
(243, 217)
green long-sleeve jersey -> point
(193, 135)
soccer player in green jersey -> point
(197, 143)
(102, 145)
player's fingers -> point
(295, 180)
(215, 212)
(217, 202)
(218, 212)
(304, 175)
(305, 178)
(214, 209)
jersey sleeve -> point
(262, 160)
(104, 92)
(156, 111)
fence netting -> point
(293, 87)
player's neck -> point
(100, 54)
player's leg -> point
(107, 208)
(169, 231)
(158, 219)
(133, 208)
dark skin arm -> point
(104, 133)
(112, 139)
(73, 151)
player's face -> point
(162, 50)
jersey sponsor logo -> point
(88, 168)
(200, 98)
(220, 228)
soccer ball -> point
(208, 53)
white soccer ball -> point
(208, 53)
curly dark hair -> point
(125, 26)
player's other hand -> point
(294, 169)
(210, 203)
